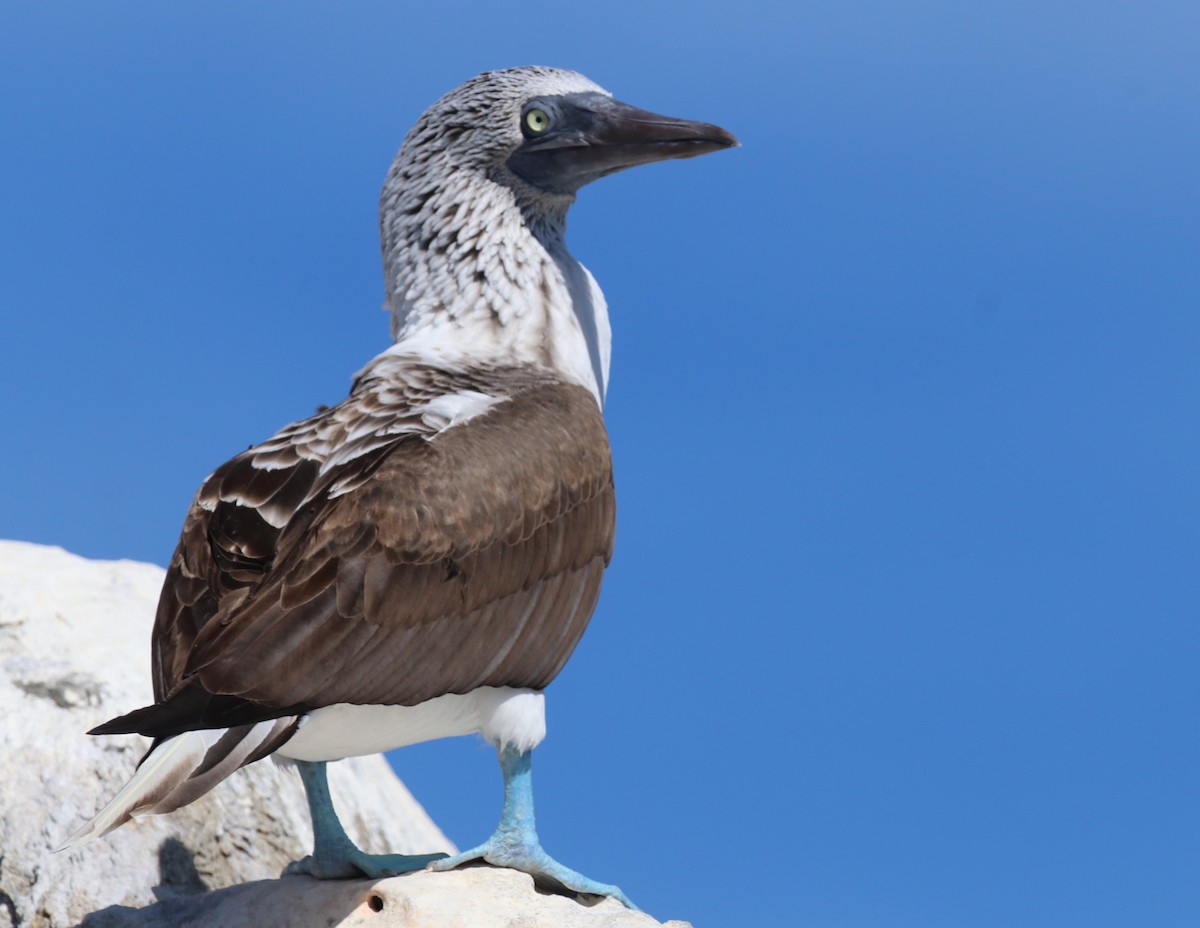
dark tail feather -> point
(190, 709)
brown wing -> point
(226, 548)
(473, 558)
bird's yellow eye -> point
(537, 121)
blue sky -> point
(901, 627)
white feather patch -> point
(502, 714)
(451, 409)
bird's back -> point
(437, 532)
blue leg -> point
(515, 842)
(334, 854)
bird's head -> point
(545, 132)
(473, 212)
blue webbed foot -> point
(334, 855)
(515, 843)
(531, 859)
(349, 861)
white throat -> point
(489, 286)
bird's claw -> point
(350, 862)
(530, 858)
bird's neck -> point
(472, 277)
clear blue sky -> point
(902, 624)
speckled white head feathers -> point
(477, 126)
(473, 217)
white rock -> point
(476, 897)
(74, 652)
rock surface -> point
(477, 897)
(74, 651)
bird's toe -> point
(532, 859)
(355, 864)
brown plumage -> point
(461, 558)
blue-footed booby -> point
(420, 560)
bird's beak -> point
(601, 136)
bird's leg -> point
(334, 854)
(515, 842)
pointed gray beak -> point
(591, 135)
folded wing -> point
(436, 559)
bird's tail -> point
(182, 768)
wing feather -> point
(427, 563)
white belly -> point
(503, 715)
